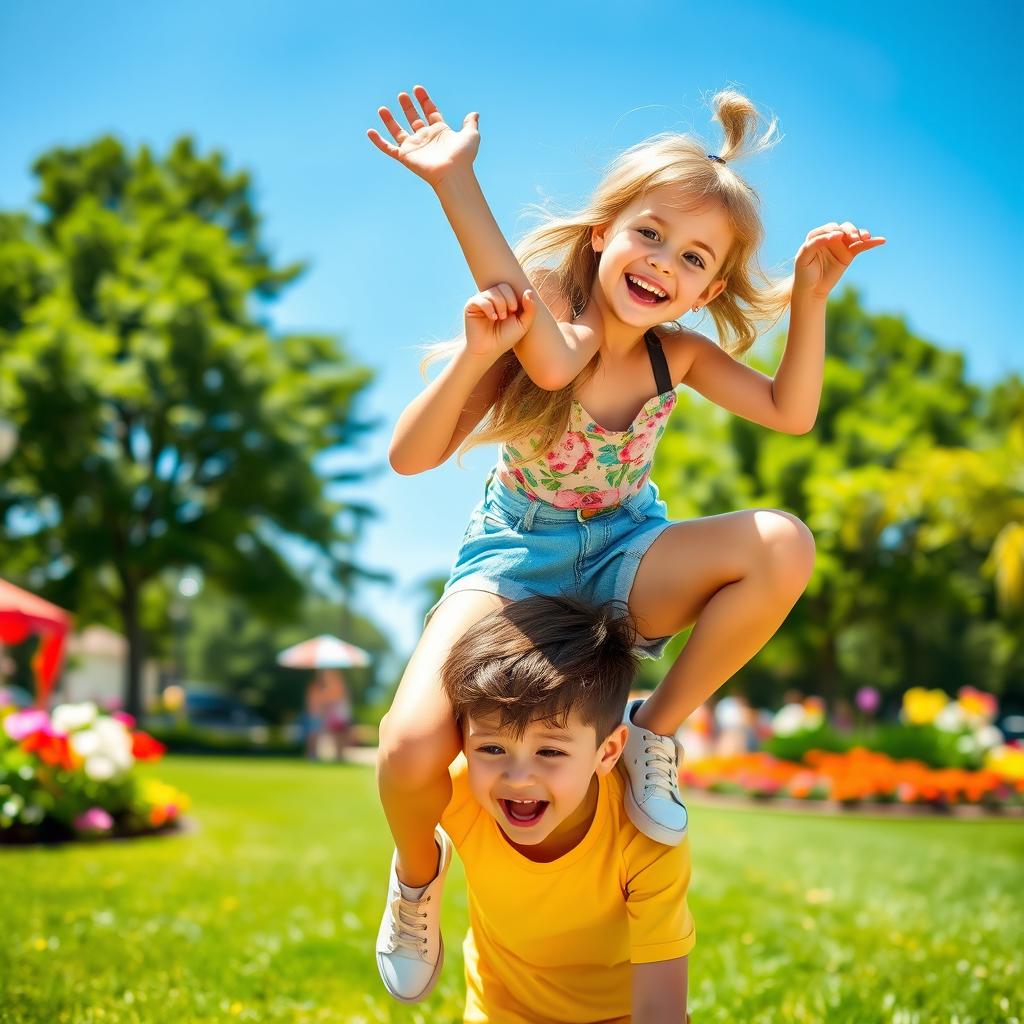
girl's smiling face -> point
(538, 787)
(680, 253)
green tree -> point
(162, 424)
(911, 482)
(236, 651)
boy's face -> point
(536, 787)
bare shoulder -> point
(681, 347)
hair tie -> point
(711, 156)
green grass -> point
(269, 913)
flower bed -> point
(70, 775)
(862, 776)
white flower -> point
(790, 719)
(85, 742)
(68, 717)
(950, 718)
(988, 736)
(100, 767)
(107, 746)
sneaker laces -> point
(405, 926)
(662, 764)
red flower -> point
(145, 748)
(49, 748)
(587, 499)
(572, 455)
(636, 450)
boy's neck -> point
(569, 834)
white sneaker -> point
(410, 950)
(651, 765)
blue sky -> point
(902, 118)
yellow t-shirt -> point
(553, 943)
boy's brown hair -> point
(541, 659)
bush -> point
(72, 776)
(183, 738)
(796, 745)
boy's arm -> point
(551, 353)
(659, 992)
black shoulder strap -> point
(659, 364)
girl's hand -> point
(433, 150)
(825, 255)
(496, 320)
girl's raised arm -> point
(550, 354)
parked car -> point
(217, 715)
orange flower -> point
(977, 704)
(50, 749)
(858, 774)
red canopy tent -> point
(21, 614)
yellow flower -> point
(1007, 761)
(160, 794)
(921, 706)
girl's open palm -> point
(496, 320)
(433, 150)
(826, 253)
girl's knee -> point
(409, 756)
(788, 546)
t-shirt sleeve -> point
(462, 810)
(657, 878)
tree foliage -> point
(912, 482)
(161, 422)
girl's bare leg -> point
(737, 575)
(419, 739)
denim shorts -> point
(516, 548)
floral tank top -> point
(591, 467)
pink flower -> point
(24, 723)
(636, 450)
(572, 455)
(125, 718)
(94, 820)
(591, 499)
(868, 699)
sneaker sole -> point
(648, 826)
(431, 981)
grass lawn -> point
(269, 913)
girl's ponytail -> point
(740, 119)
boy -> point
(575, 916)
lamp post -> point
(8, 439)
(188, 586)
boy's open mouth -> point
(642, 294)
(523, 813)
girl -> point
(573, 368)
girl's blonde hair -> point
(669, 159)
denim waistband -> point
(518, 505)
